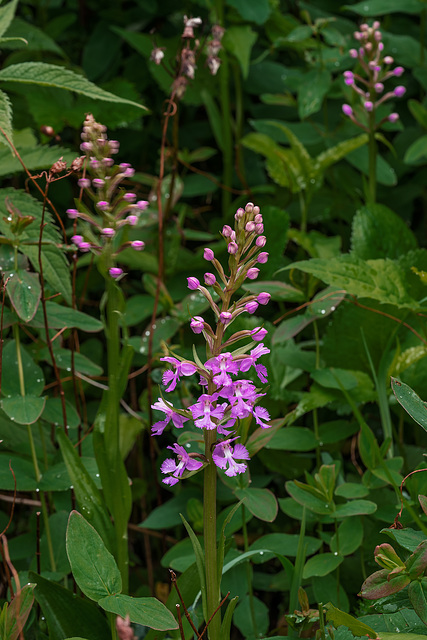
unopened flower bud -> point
(262, 257)
(353, 53)
(232, 248)
(142, 204)
(261, 241)
(115, 272)
(249, 207)
(102, 205)
(368, 46)
(132, 220)
(84, 246)
(193, 283)
(379, 87)
(250, 226)
(393, 117)
(388, 60)
(108, 232)
(84, 183)
(256, 210)
(259, 228)
(138, 245)
(347, 110)
(239, 214)
(227, 231)
(398, 71)
(225, 317)
(258, 334)
(252, 273)
(208, 254)
(107, 162)
(377, 35)
(129, 197)
(376, 24)
(77, 240)
(399, 91)
(369, 105)
(258, 218)
(263, 297)
(197, 324)
(73, 214)
(209, 279)
(251, 307)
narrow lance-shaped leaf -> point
(6, 119)
(412, 403)
(49, 75)
(6, 15)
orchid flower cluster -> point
(225, 399)
(376, 69)
(114, 206)
(188, 54)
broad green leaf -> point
(256, 11)
(285, 544)
(417, 592)
(277, 290)
(18, 610)
(60, 317)
(56, 270)
(412, 403)
(88, 497)
(65, 612)
(359, 158)
(260, 502)
(23, 288)
(168, 514)
(23, 409)
(321, 565)
(145, 611)
(308, 500)
(351, 490)
(293, 439)
(239, 41)
(94, 568)
(419, 112)
(33, 374)
(6, 119)
(261, 437)
(312, 89)
(416, 152)
(6, 15)
(302, 32)
(243, 616)
(348, 538)
(378, 232)
(381, 279)
(339, 618)
(63, 358)
(23, 470)
(35, 157)
(354, 508)
(407, 538)
(382, 583)
(335, 154)
(49, 75)
(35, 39)
(304, 159)
(373, 8)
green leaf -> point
(349, 537)
(313, 87)
(381, 279)
(61, 317)
(409, 400)
(321, 565)
(372, 8)
(256, 11)
(88, 497)
(261, 503)
(239, 41)
(293, 439)
(6, 15)
(339, 618)
(416, 151)
(285, 544)
(145, 611)
(261, 437)
(63, 358)
(18, 610)
(408, 538)
(243, 616)
(56, 270)
(417, 592)
(226, 622)
(419, 112)
(23, 288)
(33, 38)
(6, 119)
(351, 490)
(94, 568)
(354, 508)
(378, 232)
(23, 409)
(168, 514)
(312, 502)
(359, 158)
(49, 75)
(200, 562)
(65, 612)
(277, 290)
(33, 375)
(337, 153)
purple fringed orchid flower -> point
(171, 376)
(204, 410)
(177, 420)
(225, 456)
(176, 469)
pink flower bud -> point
(258, 334)
(102, 205)
(138, 245)
(263, 298)
(225, 317)
(399, 91)
(353, 53)
(142, 204)
(376, 24)
(197, 324)
(193, 283)
(381, 46)
(232, 248)
(208, 254)
(249, 207)
(84, 246)
(369, 105)
(388, 60)
(132, 220)
(98, 183)
(398, 71)
(379, 87)
(377, 35)
(250, 226)
(86, 146)
(256, 210)
(262, 257)
(258, 218)
(239, 214)
(252, 273)
(259, 228)
(227, 231)
(108, 232)
(129, 173)
(84, 183)
(107, 162)
(77, 240)
(251, 307)
(261, 241)
(210, 279)
(72, 214)
(115, 272)
(129, 197)
(347, 110)
(357, 35)
(368, 46)
(393, 117)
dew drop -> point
(261, 553)
(96, 475)
(335, 553)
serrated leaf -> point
(55, 268)
(312, 88)
(6, 15)
(6, 119)
(49, 75)
(378, 232)
(335, 154)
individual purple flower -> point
(225, 317)
(250, 360)
(102, 205)
(261, 416)
(193, 283)
(222, 366)
(172, 376)
(242, 396)
(208, 254)
(209, 279)
(115, 272)
(132, 220)
(138, 245)
(225, 456)
(205, 409)
(263, 298)
(185, 462)
(197, 324)
(177, 420)
(251, 306)
(253, 272)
